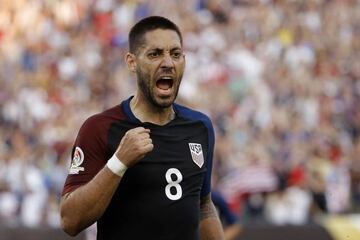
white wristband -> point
(116, 166)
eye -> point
(153, 54)
(176, 54)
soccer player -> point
(142, 169)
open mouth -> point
(165, 83)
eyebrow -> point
(157, 49)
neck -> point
(146, 112)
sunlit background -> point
(280, 80)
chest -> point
(179, 155)
(181, 142)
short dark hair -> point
(137, 32)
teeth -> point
(166, 77)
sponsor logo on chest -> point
(196, 154)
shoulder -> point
(99, 121)
(192, 114)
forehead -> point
(161, 38)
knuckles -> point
(134, 145)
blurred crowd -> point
(280, 80)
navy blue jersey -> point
(159, 197)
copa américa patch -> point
(77, 160)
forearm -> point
(82, 207)
(210, 225)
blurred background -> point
(280, 80)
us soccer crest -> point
(77, 160)
(197, 154)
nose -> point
(167, 61)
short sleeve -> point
(89, 153)
(206, 188)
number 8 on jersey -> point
(173, 184)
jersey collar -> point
(130, 115)
(127, 110)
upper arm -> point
(210, 225)
(207, 208)
(88, 155)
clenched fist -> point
(134, 145)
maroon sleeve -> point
(89, 154)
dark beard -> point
(143, 81)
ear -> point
(131, 62)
